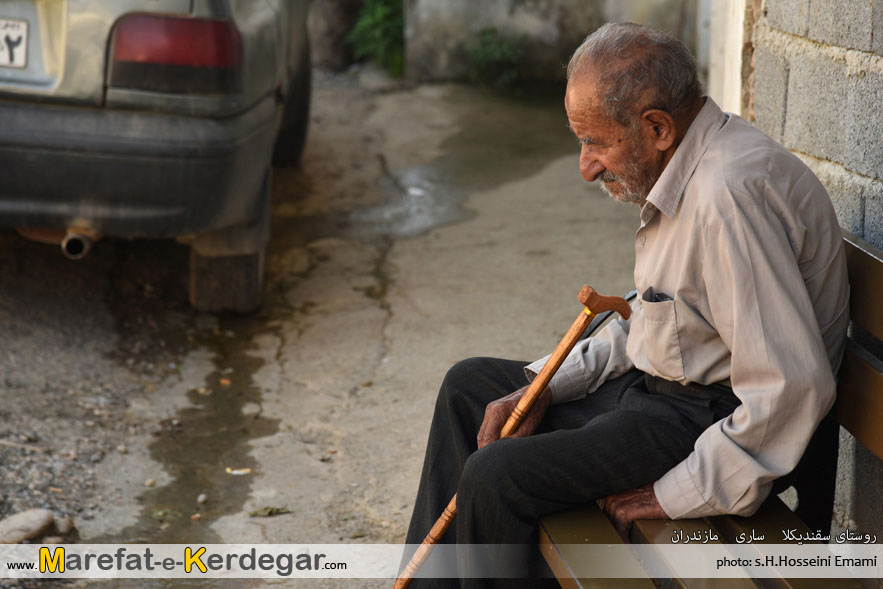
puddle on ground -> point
(499, 139)
(201, 443)
(156, 329)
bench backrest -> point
(859, 405)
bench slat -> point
(770, 521)
(560, 537)
(865, 263)
(859, 406)
(660, 531)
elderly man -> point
(714, 387)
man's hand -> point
(626, 507)
(497, 412)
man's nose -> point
(589, 167)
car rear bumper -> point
(129, 173)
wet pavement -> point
(424, 225)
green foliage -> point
(495, 58)
(379, 35)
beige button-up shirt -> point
(741, 278)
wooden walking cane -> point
(594, 304)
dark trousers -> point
(628, 433)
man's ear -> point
(662, 128)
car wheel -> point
(296, 117)
(227, 264)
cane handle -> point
(598, 303)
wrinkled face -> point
(622, 158)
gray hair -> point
(640, 68)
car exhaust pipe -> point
(75, 245)
(75, 241)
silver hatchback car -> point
(153, 118)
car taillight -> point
(174, 54)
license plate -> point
(13, 43)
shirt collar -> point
(666, 194)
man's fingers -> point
(610, 505)
(619, 515)
(622, 528)
(494, 417)
(613, 502)
(487, 437)
(624, 508)
(486, 434)
(527, 426)
(497, 413)
(532, 420)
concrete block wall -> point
(817, 87)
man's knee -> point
(475, 480)
(460, 381)
(495, 497)
(486, 473)
(465, 371)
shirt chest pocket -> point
(661, 344)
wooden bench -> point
(859, 409)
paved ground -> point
(425, 225)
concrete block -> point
(845, 491)
(865, 147)
(877, 45)
(859, 486)
(847, 192)
(818, 89)
(873, 230)
(791, 16)
(845, 24)
(847, 200)
(770, 92)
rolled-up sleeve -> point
(780, 370)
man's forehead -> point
(581, 97)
